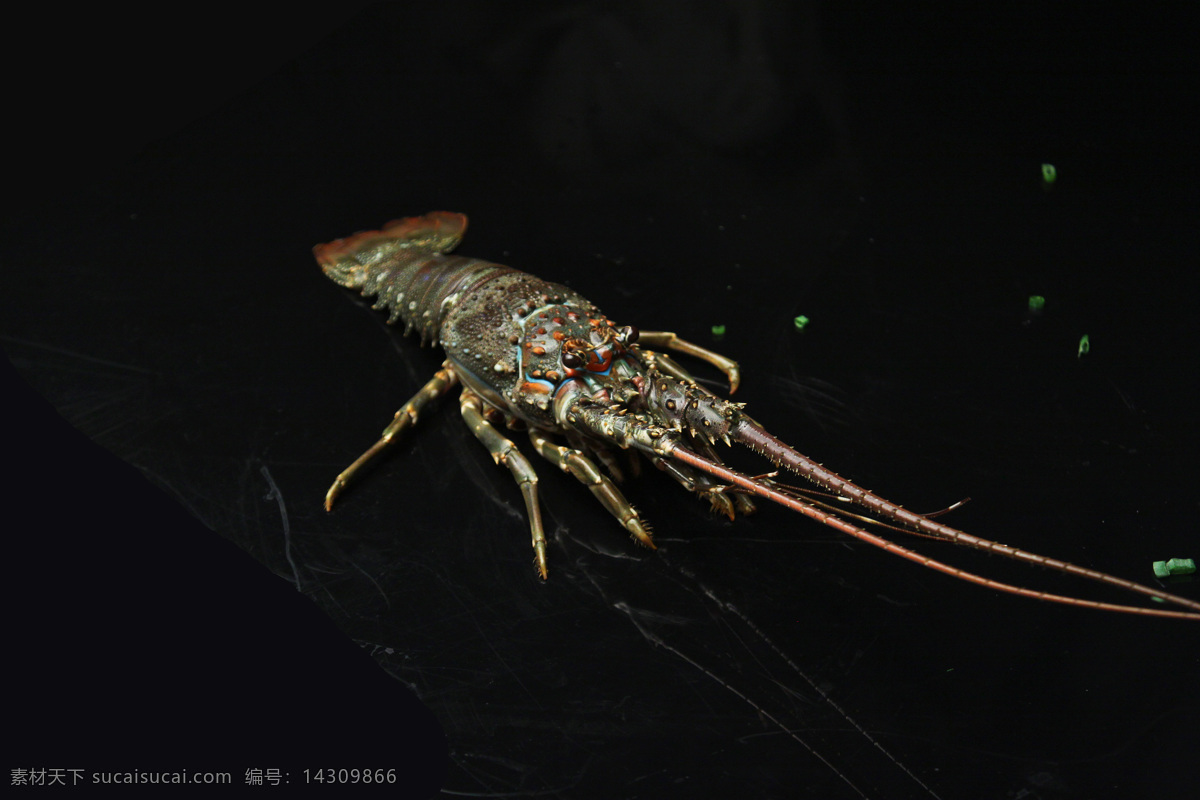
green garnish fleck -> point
(1174, 566)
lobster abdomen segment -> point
(415, 285)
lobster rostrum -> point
(536, 356)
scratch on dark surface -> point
(374, 582)
(515, 767)
(732, 609)
(287, 529)
(1125, 400)
(333, 599)
(73, 354)
(818, 400)
(487, 640)
(653, 638)
(161, 480)
(107, 400)
(529, 793)
(643, 620)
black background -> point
(685, 165)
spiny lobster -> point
(537, 356)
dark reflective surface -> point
(883, 180)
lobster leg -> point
(723, 502)
(591, 449)
(443, 380)
(579, 465)
(672, 342)
(505, 452)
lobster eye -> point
(627, 335)
(572, 360)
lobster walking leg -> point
(579, 465)
(672, 342)
(441, 382)
(505, 452)
(700, 484)
(595, 451)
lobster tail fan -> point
(347, 261)
(435, 232)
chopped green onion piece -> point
(718, 330)
(1175, 566)
(801, 322)
(1085, 346)
(1049, 174)
(1036, 303)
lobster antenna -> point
(758, 439)
(828, 518)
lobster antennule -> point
(758, 487)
